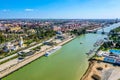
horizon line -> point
(60, 18)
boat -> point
(52, 51)
(80, 42)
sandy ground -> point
(115, 75)
(45, 47)
(14, 64)
(57, 41)
(109, 72)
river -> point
(68, 63)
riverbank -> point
(91, 64)
(30, 59)
(101, 71)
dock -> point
(96, 45)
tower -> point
(21, 42)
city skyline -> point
(60, 9)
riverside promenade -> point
(30, 59)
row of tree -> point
(2, 38)
(79, 31)
(114, 40)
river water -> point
(68, 63)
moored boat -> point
(52, 51)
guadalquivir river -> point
(68, 63)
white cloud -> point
(5, 10)
(29, 9)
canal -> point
(68, 63)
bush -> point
(100, 68)
(96, 77)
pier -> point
(97, 44)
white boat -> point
(53, 50)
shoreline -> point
(89, 69)
(101, 71)
(92, 65)
(30, 59)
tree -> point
(2, 39)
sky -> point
(60, 9)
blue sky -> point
(68, 9)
